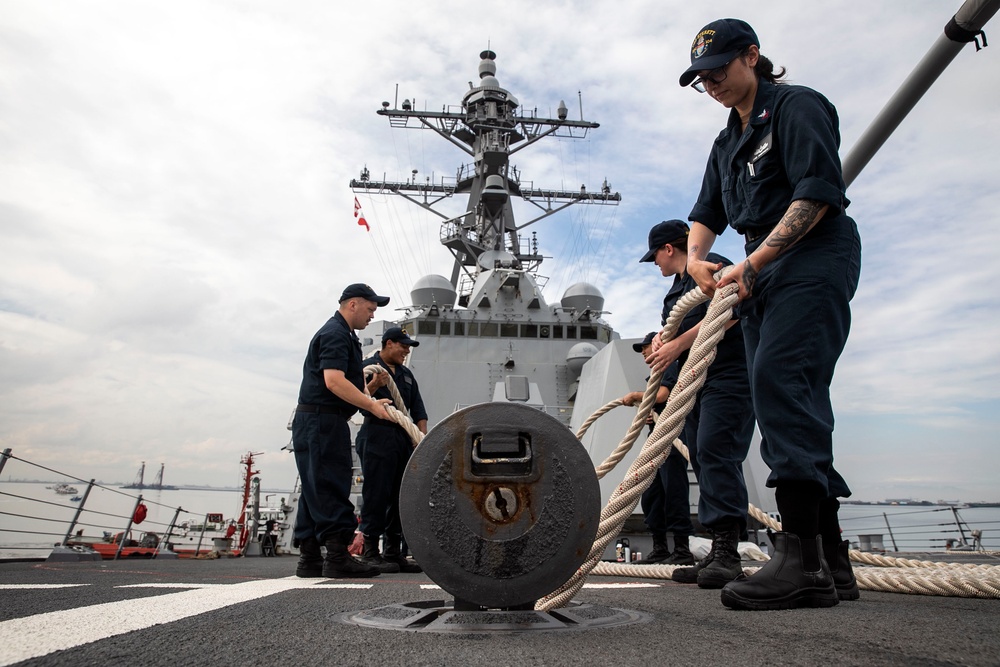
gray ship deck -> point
(252, 612)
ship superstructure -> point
(487, 332)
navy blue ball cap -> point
(648, 340)
(663, 233)
(363, 291)
(717, 44)
(399, 335)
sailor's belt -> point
(754, 234)
(324, 410)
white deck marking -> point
(32, 636)
(430, 587)
(36, 586)
(172, 585)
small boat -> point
(65, 489)
(76, 499)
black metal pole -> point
(891, 536)
(121, 542)
(962, 29)
(79, 510)
(4, 457)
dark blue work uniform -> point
(321, 437)
(387, 448)
(797, 319)
(666, 504)
(719, 428)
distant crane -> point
(157, 482)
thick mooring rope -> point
(397, 411)
(669, 424)
(923, 577)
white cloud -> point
(175, 219)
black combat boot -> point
(340, 564)
(725, 566)
(836, 551)
(373, 558)
(796, 576)
(660, 551)
(393, 554)
(838, 558)
(310, 559)
(682, 552)
(689, 575)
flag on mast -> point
(360, 215)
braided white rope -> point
(886, 574)
(397, 411)
(677, 313)
(640, 474)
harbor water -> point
(33, 517)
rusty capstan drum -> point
(500, 505)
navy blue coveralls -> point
(666, 504)
(321, 437)
(797, 319)
(719, 428)
(386, 449)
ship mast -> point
(489, 128)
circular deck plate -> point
(440, 616)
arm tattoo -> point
(798, 220)
(693, 251)
(749, 275)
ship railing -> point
(32, 527)
(933, 528)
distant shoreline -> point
(919, 503)
(123, 485)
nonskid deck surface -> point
(254, 610)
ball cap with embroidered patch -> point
(717, 44)
(365, 292)
(648, 340)
(399, 335)
(663, 233)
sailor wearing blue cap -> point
(719, 428)
(387, 448)
(331, 392)
(774, 175)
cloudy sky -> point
(176, 221)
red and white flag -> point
(360, 215)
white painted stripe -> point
(32, 636)
(173, 585)
(430, 587)
(362, 587)
(37, 586)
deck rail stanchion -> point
(958, 523)
(3, 458)
(131, 517)
(204, 523)
(889, 528)
(79, 511)
(164, 544)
